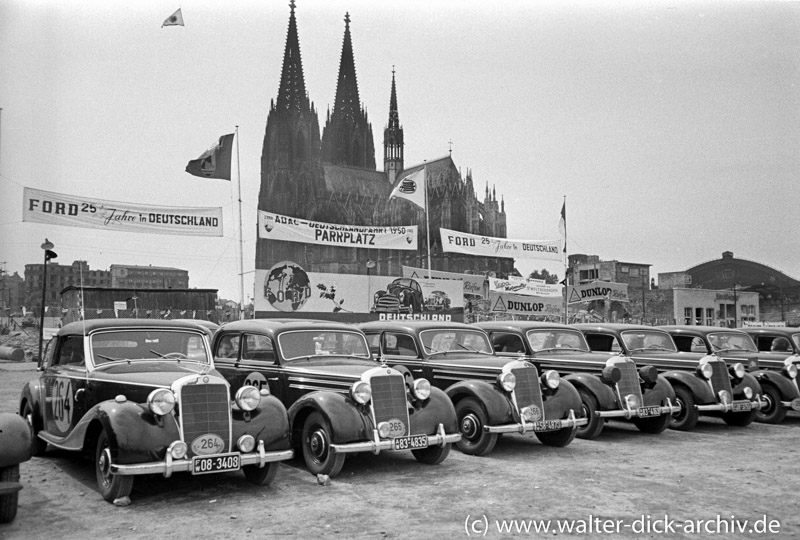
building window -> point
(709, 316)
(687, 315)
(634, 272)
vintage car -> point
(703, 383)
(492, 395)
(340, 400)
(437, 301)
(141, 396)
(775, 370)
(611, 386)
(403, 295)
(15, 447)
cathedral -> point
(333, 178)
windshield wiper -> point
(470, 349)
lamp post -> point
(370, 265)
(48, 254)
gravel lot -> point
(725, 477)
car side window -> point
(507, 343)
(227, 347)
(374, 342)
(399, 345)
(70, 352)
(259, 348)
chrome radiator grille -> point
(720, 380)
(389, 398)
(629, 383)
(205, 408)
(528, 392)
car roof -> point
(697, 330)
(778, 330)
(416, 326)
(91, 325)
(615, 327)
(523, 325)
(276, 326)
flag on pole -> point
(215, 162)
(411, 188)
(176, 19)
(562, 224)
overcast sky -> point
(672, 128)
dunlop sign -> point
(291, 229)
(487, 246)
(526, 305)
(59, 209)
(597, 290)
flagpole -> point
(241, 261)
(566, 266)
(427, 217)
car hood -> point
(155, 373)
(334, 365)
(474, 360)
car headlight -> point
(178, 450)
(706, 370)
(421, 389)
(748, 392)
(246, 443)
(551, 379)
(738, 370)
(248, 398)
(361, 392)
(790, 370)
(161, 401)
(632, 401)
(507, 381)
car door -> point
(65, 383)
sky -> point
(671, 129)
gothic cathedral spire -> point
(393, 139)
(347, 136)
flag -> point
(562, 225)
(411, 188)
(176, 19)
(215, 162)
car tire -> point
(559, 438)
(38, 446)
(654, 425)
(111, 486)
(687, 418)
(260, 476)
(471, 420)
(739, 419)
(316, 441)
(589, 407)
(8, 503)
(774, 413)
(433, 455)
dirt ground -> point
(627, 484)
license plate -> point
(547, 425)
(650, 411)
(741, 406)
(410, 443)
(216, 463)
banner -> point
(525, 288)
(487, 246)
(516, 304)
(473, 284)
(287, 287)
(59, 209)
(278, 227)
(597, 290)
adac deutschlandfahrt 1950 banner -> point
(291, 229)
(73, 211)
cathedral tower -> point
(347, 136)
(393, 139)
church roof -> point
(292, 92)
(358, 182)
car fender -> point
(784, 385)
(659, 393)
(698, 387)
(268, 423)
(426, 415)
(747, 380)
(32, 394)
(559, 402)
(604, 394)
(496, 403)
(133, 430)
(348, 421)
(15, 440)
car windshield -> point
(447, 340)
(127, 345)
(308, 343)
(637, 340)
(731, 341)
(548, 340)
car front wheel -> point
(595, 425)
(38, 446)
(774, 412)
(559, 438)
(8, 503)
(112, 486)
(433, 455)
(316, 443)
(260, 476)
(686, 419)
(653, 425)
(471, 420)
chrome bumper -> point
(794, 404)
(728, 407)
(170, 465)
(377, 444)
(524, 427)
(669, 408)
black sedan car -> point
(141, 397)
(340, 400)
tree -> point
(545, 275)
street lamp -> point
(370, 265)
(48, 254)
